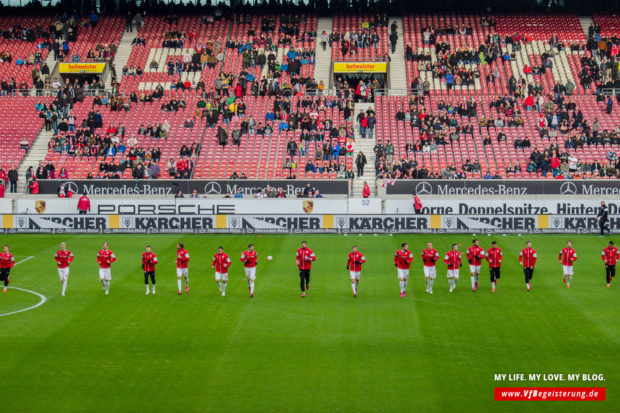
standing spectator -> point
(417, 204)
(366, 190)
(371, 122)
(360, 162)
(129, 24)
(13, 178)
(34, 186)
(83, 205)
(393, 40)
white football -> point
(269, 258)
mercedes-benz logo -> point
(423, 188)
(72, 186)
(568, 188)
(213, 188)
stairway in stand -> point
(37, 153)
(367, 146)
(323, 58)
(398, 73)
(122, 56)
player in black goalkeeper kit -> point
(603, 219)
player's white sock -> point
(353, 287)
(179, 282)
(64, 286)
(107, 285)
(473, 282)
(493, 284)
(223, 287)
(153, 288)
(102, 283)
(426, 282)
(528, 285)
(430, 282)
(251, 287)
(147, 288)
(187, 280)
(402, 286)
(477, 277)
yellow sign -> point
(360, 67)
(81, 67)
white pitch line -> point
(24, 260)
(40, 303)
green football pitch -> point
(276, 352)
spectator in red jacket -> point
(34, 186)
(83, 205)
(417, 204)
(366, 190)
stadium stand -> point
(236, 97)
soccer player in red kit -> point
(567, 257)
(63, 258)
(430, 256)
(105, 258)
(149, 260)
(221, 262)
(402, 260)
(494, 257)
(7, 261)
(527, 258)
(354, 265)
(610, 255)
(303, 259)
(475, 255)
(182, 264)
(249, 258)
(453, 261)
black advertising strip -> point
(204, 187)
(505, 187)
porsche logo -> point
(39, 206)
(308, 206)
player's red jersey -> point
(63, 258)
(494, 257)
(430, 257)
(527, 257)
(567, 256)
(403, 259)
(356, 257)
(182, 258)
(610, 255)
(149, 260)
(6, 260)
(105, 258)
(304, 258)
(249, 258)
(221, 262)
(475, 255)
(452, 260)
